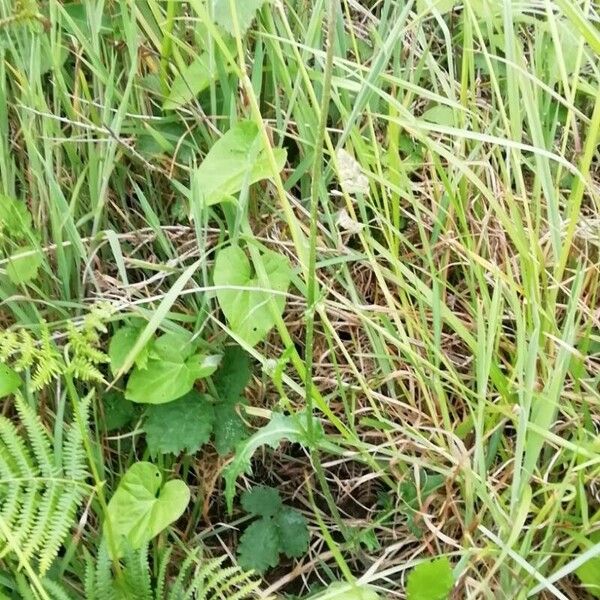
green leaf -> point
(245, 11)
(118, 412)
(589, 575)
(184, 425)
(170, 371)
(15, 219)
(22, 269)
(262, 501)
(248, 312)
(430, 580)
(280, 428)
(233, 374)
(195, 78)
(229, 429)
(237, 157)
(142, 507)
(440, 115)
(259, 546)
(10, 381)
(293, 532)
(347, 591)
(442, 6)
(121, 344)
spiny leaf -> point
(280, 428)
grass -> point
(443, 322)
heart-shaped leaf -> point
(238, 157)
(142, 507)
(251, 312)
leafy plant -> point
(81, 357)
(41, 488)
(17, 241)
(180, 426)
(430, 580)
(142, 506)
(281, 427)
(250, 311)
(589, 572)
(236, 159)
(195, 577)
(187, 423)
(279, 530)
(165, 370)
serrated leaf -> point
(22, 269)
(262, 501)
(233, 374)
(238, 157)
(184, 425)
(118, 412)
(259, 546)
(249, 312)
(430, 580)
(229, 429)
(280, 428)
(293, 532)
(142, 507)
(245, 11)
(10, 381)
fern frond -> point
(49, 362)
(213, 582)
(27, 350)
(9, 344)
(40, 498)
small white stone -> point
(352, 179)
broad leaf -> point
(10, 381)
(22, 269)
(440, 115)
(259, 546)
(118, 412)
(293, 532)
(233, 374)
(280, 428)
(15, 219)
(262, 501)
(195, 78)
(589, 572)
(184, 425)
(430, 580)
(142, 507)
(249, 311)
(245, 11)
(121, 344)
(170, 371)
(229, 428)
(237, 157)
